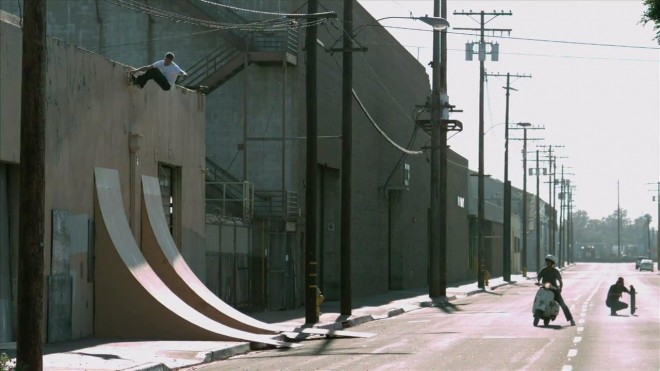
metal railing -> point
(283, 204)
(211, 63)
(233, 195)
(280, 41)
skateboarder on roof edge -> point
(163, 72)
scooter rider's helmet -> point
(551, 258)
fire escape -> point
(228, 198)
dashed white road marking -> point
(577, 339)
(572, 353)
(567, 368)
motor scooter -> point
(545, 306)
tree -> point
(652, 14)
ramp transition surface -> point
(161, 252)
(131, 301)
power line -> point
(277, 24)
(521, 54)
(534, 39)
(321, 14)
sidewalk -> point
(104, 354)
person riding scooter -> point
(552, 275)
(614, 294)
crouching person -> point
(613, 296)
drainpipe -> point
(134, 141)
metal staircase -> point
(242, 48)
(277, 204)
(226, 196)
(230, 198)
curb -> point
(356, 321)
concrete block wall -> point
(389, 81)
(91, 116)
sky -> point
(599, 105)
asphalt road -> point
(494, 331)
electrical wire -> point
(405, 150)
(382, 132)
(178, 36)
(522, 54)
(279, 24)
(534, 39)
(312, 15)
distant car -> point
(646, 265)
(639, 260)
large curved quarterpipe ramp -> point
(131, 301)
(161, 252)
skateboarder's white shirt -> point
(171, 72)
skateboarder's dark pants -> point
(153, 74)
(616, 305)
(564, 307)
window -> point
(168, 179)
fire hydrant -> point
(319, 300)
(486, 277)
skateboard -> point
(632, 299)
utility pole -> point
(569, 238)
(538, 210)
(538, 216)
(656, 198)
(564, 203)
(482, 74)
(29, 342)
(648, 234)
(657, 230)
(311, 315)
(618, 222)
(524, 207)
(506, 240)
(440, 125)
(552, 219)
(561, 218)
(525, 126)
(346, 160)
(551, 216)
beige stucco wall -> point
(91, 114)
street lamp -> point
(437, 23)
(439, 126)
(347, 49)
(524, 125)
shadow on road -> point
(449, 307)
(492, 293)
(552, 327)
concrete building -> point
(255, 146)
(93, 119)
(494, 227)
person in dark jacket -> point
(613, 296)
(552, 275)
